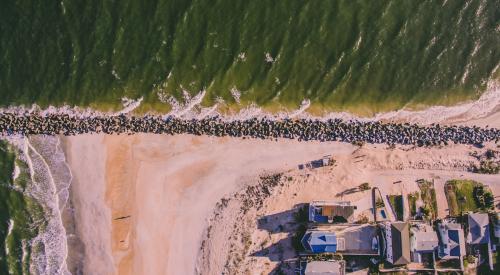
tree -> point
(364, 186)
(484, 198)
(489, 200)
(426, 210)
(379, 203)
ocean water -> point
(18, 215)
(359, 56)
(34, 181)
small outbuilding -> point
(331, 212)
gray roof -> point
(479, 232)
(325, 268)
(400, 232)
(425, 241)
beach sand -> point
(392, 170)
(86, 156)
(143, 202)
(168, 185)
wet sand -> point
(86, 156)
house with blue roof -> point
(345, 239)
(320, 242)
(452, 243)
(478, 236)
(478, 227)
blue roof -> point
(455, 251)
(452, 243)
(315, 215)
(453, 235)
(479, 228)
(318, 242)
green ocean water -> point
(20, 215)
(362, 56)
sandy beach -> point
(250, 138)
(143, 202)
(157, 193)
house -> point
(423, 243)
(478, 225)
(478, 236)
(452, 244)
(343, 239)
(397, 242)
(331, 212)
(325, 268)
(320, 241)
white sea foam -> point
(242, 56)
(269, 58)
(208, 112)
(115, 74)
(16, 172)
(488, 103)
(49, 247)
(186, 109)
(9, 231)
(236, 94)
(129, 105)
(249, 112)
(306, 103)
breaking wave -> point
(50, 178)
(190, 108)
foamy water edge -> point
(191, 108)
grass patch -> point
(428, 195)
(396, 202)
(460, 196)
(412, 203)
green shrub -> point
(484, 198)
(364, 186)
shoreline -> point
(487, 104)
(87, 198)
(169, 186)
(303, 130)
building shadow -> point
(286, 221)
(277, 252)
(348, 192)
(293, 224)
